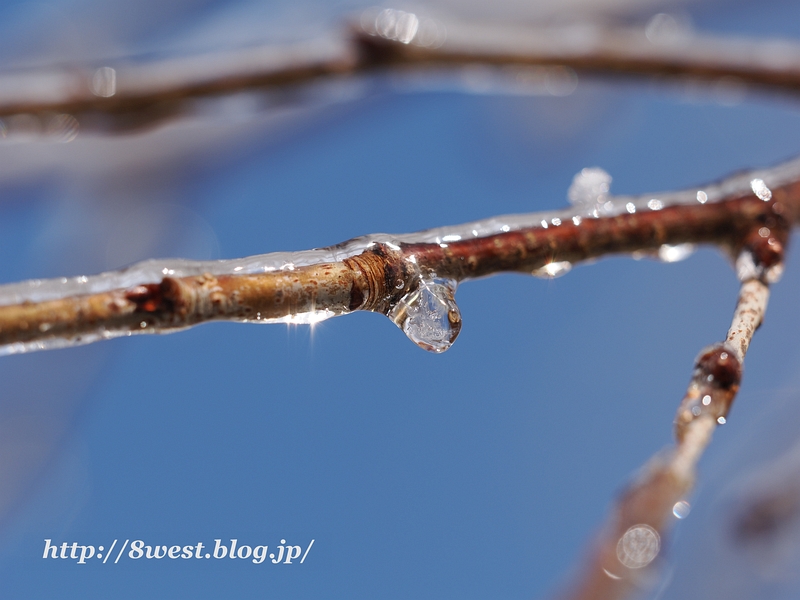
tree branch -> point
(410, 278)
(632, 538)
(133, 96)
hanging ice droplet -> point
(589, 190)
(681, 509)
(429, 315)
(553, 270)
(639, 546)
(670, 254)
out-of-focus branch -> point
(628, 51)
(622, 557)
(129, 96)
(411, 278)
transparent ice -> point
(677, 253)
(748, 268)
(429, 315)
(681, 509)
(553, 270)
(589, 191)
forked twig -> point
(631, 541)
(412, 279)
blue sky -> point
(479, 473)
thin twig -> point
(622, 557)
(131, 96)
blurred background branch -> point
(518, 444)
(111, 98)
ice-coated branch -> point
(623, 556)
(130, 96)
(412, 278)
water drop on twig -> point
(429, 315)
(638, 546)
(679, 252)
(681, 509)
(553, 270)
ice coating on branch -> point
(59, 342)
(553, 269)
(682, 508)
(590, 186)
(669, 254)
(715, 381)
(429, 315)
(639, 546)
(747, 267)
(760, 189)
(589, 191)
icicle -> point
(429, 315)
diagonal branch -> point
(410, 278)
(620, 561)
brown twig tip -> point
(715, 382)
(761, 251)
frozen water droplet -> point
(761, 190)
(666, 29)
(747, 268)
(397, 25)
(638, 546)
(669, 254)
(774, 273)
(104, 82)
(589, 189)
(429, 315)
(62, 128)
(553, 270)
(681, 509)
